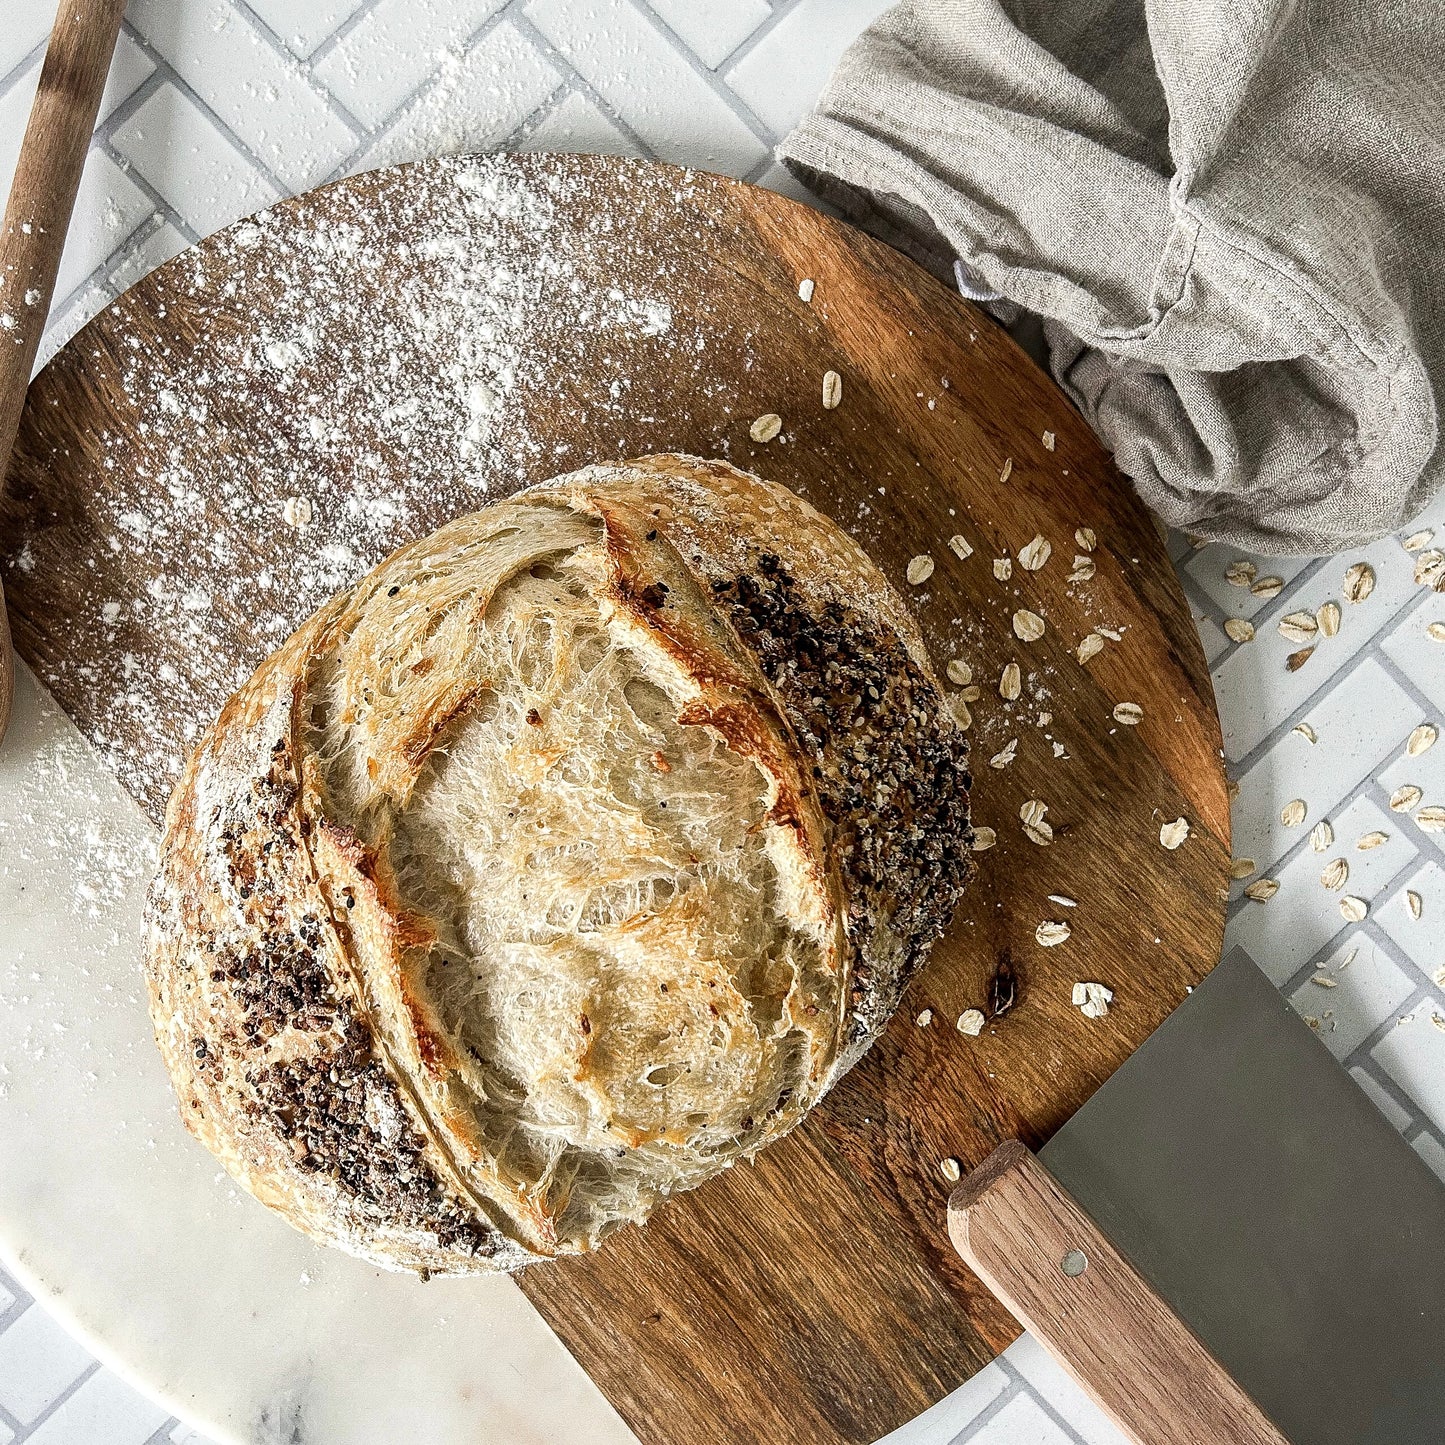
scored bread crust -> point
(298, 947)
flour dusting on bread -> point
(572, 855)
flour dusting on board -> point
(364, 353)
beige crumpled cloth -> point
(1230, 215)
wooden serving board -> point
(408, 344)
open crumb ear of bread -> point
(570, 856)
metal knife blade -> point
(1248, 1178)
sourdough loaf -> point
(570, 856)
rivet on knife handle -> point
(1028, 1241)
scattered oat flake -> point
(1323, 980)
(1129, 714)
(1336, 875)
(971, 693)
(1084, 568)
(971, 1022)
(297, 512)
(1306, 732)
(1404, 798)
(766, 427)
(925, 1018)
(1359, 582)
(1171, 835)
(1033, 555)
(1354, 909)
(1010, 682)
(1268, 587)
(1031, 815)
(958, 545)
(1086, 539)
(1262, 890)
(1003, 568)
(1328, 617)
(1110, 633)
(1006, 756)
(805, 290)
(1367, 841)
(951, 1170)
(1028, 626)
(1430, 567)
(1421, 740)
(1414, 903)
(1241, 867)
(1297, 660)
(1417, 540)
(1298, 626)
(1436, 630)
(1240, 573)
(1048, 441)
(1050, 934)
(1431, 820)
(984, 839)
(959, 672)
(1322, 836)
(1006, 471)
(1239, 629)
(1092, 999)
(1091, 646)
(920, 569)
(1293, 813)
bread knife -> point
(1228, 1243)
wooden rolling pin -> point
(37, 217)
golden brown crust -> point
(293, 970)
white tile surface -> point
(781, 75)
(27, 23)
(1283, 934)
(191, 162)
(302, 27)
(103, 1408)
(260, 93)
(627, 61)
(395, 48)
(1360, 985)
(475, 101)
(1058, 1387)
(38, 1363)
(1429, 1148)
(1382, 1099)
(579, 124)
(710, 30)
(329, 85)
(1413, 1054)
(1023, 1421)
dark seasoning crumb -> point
(891, 772)
(331, 1101)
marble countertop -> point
(138, 1283)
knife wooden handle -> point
(1062, 1280)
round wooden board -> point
(408, 344)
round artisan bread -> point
(570, 856)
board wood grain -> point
(371, 359)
